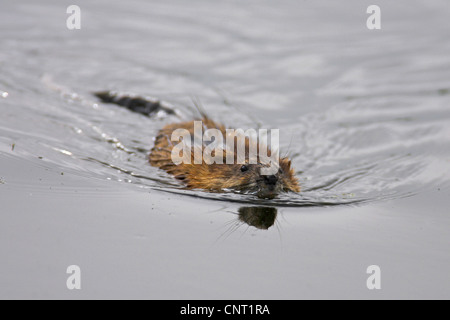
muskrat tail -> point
(144, 106)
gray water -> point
(363, 114)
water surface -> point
(363, 114)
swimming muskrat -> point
(241, 178)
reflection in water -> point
(258, 217)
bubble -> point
(4, 94)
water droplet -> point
(4, 94)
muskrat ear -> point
(285, 163)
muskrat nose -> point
(271, 180)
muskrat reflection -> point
(258, 217)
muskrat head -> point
(269, 186)
(243, 178)
(249, 178)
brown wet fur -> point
(217, 177)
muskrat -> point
(240, 178)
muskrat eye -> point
(280, 171)
(244, 168)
